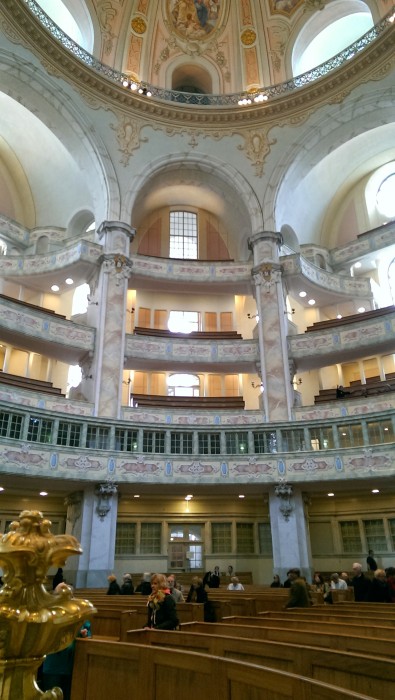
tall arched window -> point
(76, 24)
(183, 385)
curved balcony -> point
(343, 342)
(35, 443)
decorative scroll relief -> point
(104, 493)
(128, 136)
(119, 265)
(256, 147)
(267, 276)
(284, 492)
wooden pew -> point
(188, 402)
(194, 335)
(113, 621)
(341, 640)
(28, 306)
(367, 620)
(141, 672)
(357, 672)
(346, 320)
(353, 628)
(29, 383)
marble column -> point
(92, 519)
(106, 312)
(290, 531)
(272, 326)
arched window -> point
(80, 299)
(183, 385)
(385, 198)
(329, 32)
(77, 25)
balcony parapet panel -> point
(45, 332)
(30, 266)
(354, 287)
(150, 352)
(370, 242)
(25, 399)
(228, 275)
(341, 343)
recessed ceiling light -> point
(358, 265)
(311, 302)
(331, 494)
(375, 491)
(43, 493)
(385, 430)
(136, 495)
(303, 294)
(69, 281)
(188, 498)
(1, 488)
(339, 316)
(241, 495)
(361, 309)
(55, 288)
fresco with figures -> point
(194, 19)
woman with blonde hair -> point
(161, 605)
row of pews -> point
(20, 382)
(215, 403)
(349, 320)
(324, 652)
(356, 389)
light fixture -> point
(290, 311)
(361, 309)
(375, 491)
(303, 294)
(311, 302)
(69, 281)
(136, 495)
(339, 316)
(189, 497)
(43, 493)
(331, 493)
(55, 288)
(241, 495)
(253, 316)
(357, 265)
(257, 386)
(1, 488)
(262, 97)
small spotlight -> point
(69, 281)
(136, 495)
(357, 265)
(125, 83)
(55, 288)
(375, 491)
(311, 302)
(1, 488)
(241, 495)
(331, 494)
(339, 316)
(361, 310)
(133, 86)
(303, 294)
(43, 493)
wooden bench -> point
(28, 306)
(346, 320)
(234, 403)
(29, 383)
(194, 335)
(113, 621)
(340, 640)
(352, 628)
(357, 672)
(141, 672)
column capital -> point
(266, 275)
(116, 227)
(274, 236)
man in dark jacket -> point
(360, 584)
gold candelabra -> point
(34, 622)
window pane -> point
(375, 535)
(221, 538)
(125, 539)
(209, 444)
(10, 425)
(391, 524)
(150, 542)
(183, 235)
(265, 539)
(236, 443)
(69, 434)
(245, 538)
(39, 430)
(351, 537)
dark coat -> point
(127, 588)
(114, 588)
(379, 592)
(165, 616)
(361, 586)
(144, 588)
(299, 596)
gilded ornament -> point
(138, 25)
(248, 37)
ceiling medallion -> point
(248, 37)
(138, 25)
(194, 19)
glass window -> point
(292, 440)
(321, 437)
(154, 441)
(380, 431)
(350, 435)
(236, 443)
(10, 425)
(183, 385)
(69, 434)
(98, 437)
(265, 441)
(150, 539)
(125, 539)
(351, 537)
(183, 235)
(385, 197)
(391, 525)
(375, 535)
(181, 443)
(245, 538)
(265, 539)
(126, 440)
(183, 321)
(221, 538)
(209, 444)
(39, 430)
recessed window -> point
(183, 385)
(183, 235)
(183, 321)
(385, 197)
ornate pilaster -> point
(289, 525)
(107, 310)
(272, 331)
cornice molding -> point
(373, 63)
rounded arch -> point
(59, 186)
(16, 199)
(74, 18)
(201, 71)
(79, 223)
(305, 50)
(189, 77)
(190, 180)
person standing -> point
(371, 562)
(360, 584)
(161, 605)
(174, 591)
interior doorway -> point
(185, 547)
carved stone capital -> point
(284, 491)
(104, 492)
